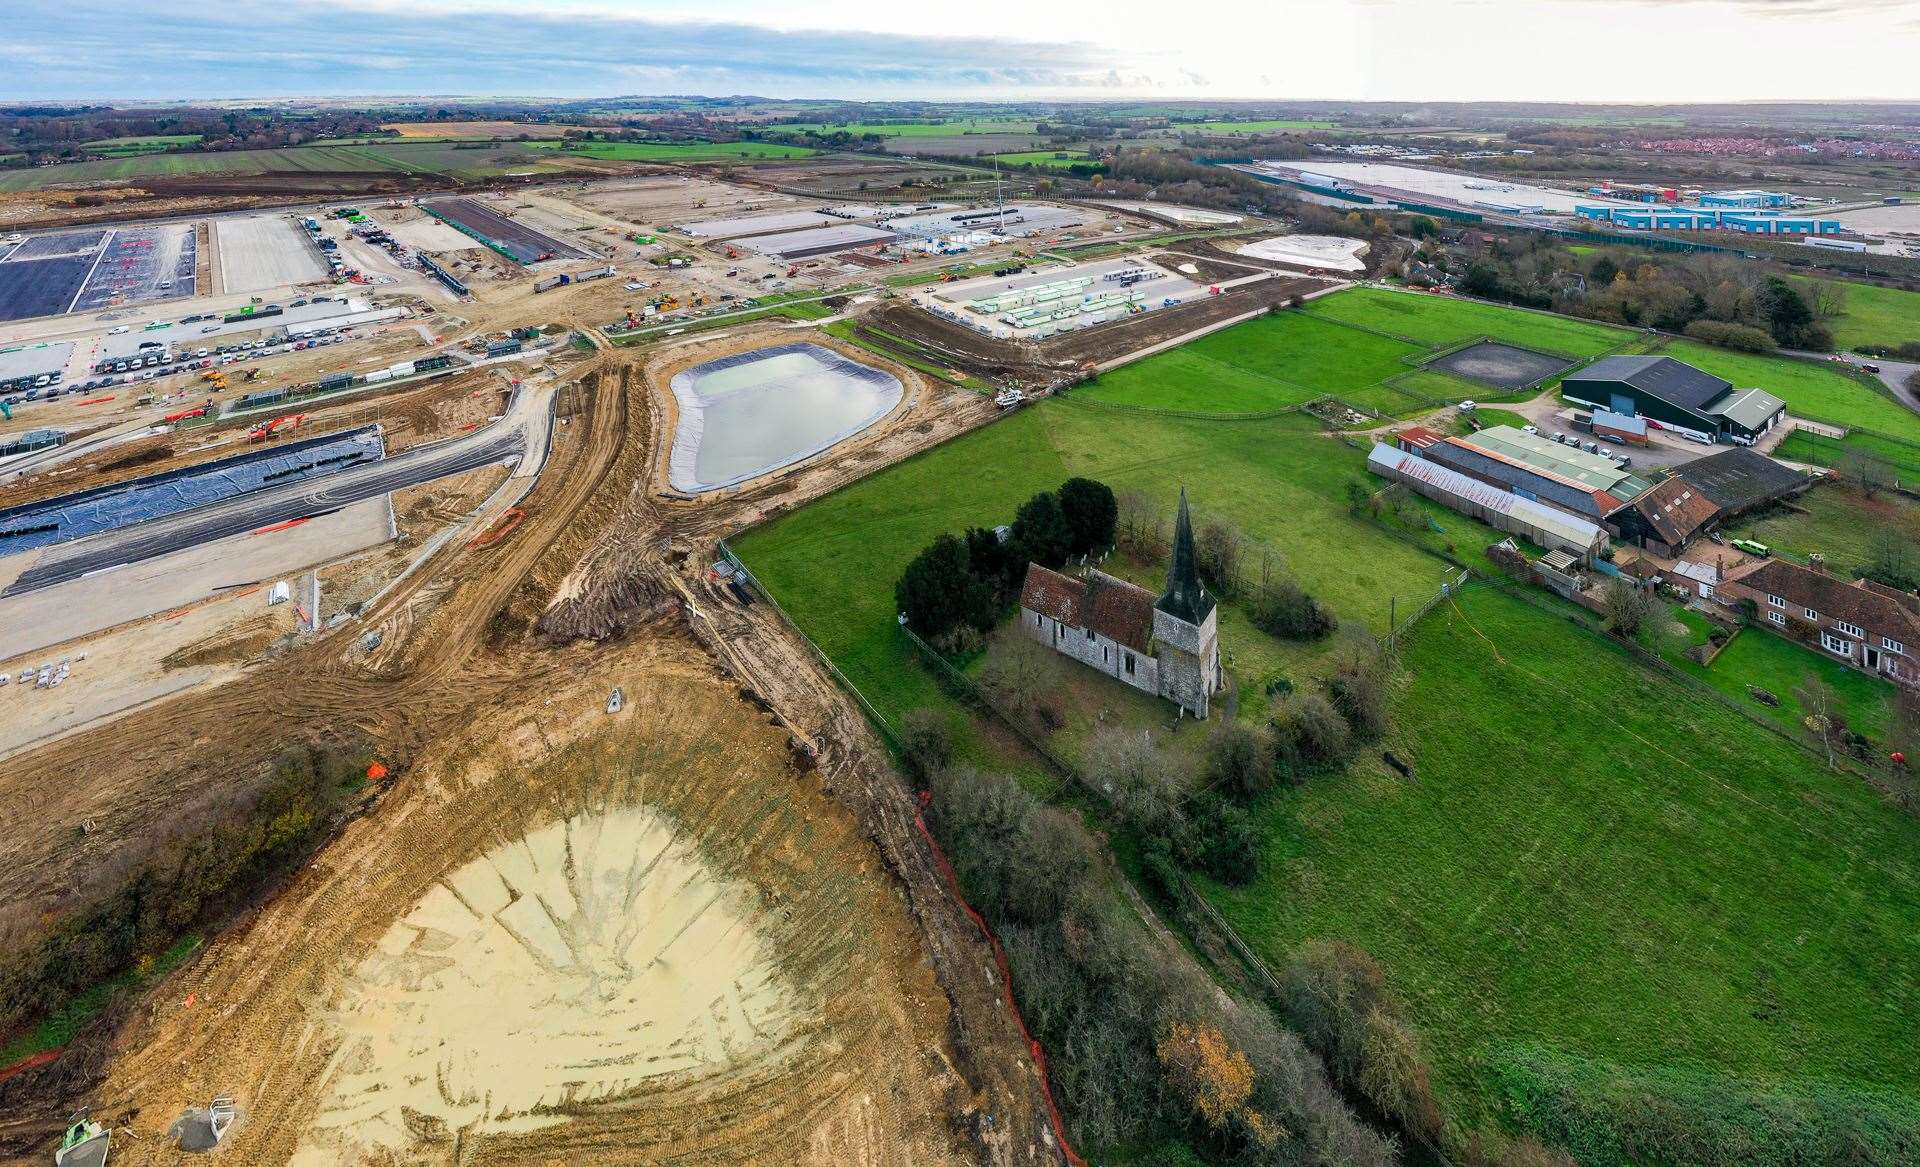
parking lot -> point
(265, 251)
(85, 271)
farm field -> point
(1810, 388)
(383, 158)
(1902, 459)
(1594, 862)
(147, 145)
(1874, 315)
(1439, 321)
(1253, 127)
(1267, 363)
(1052, 159)
(476, 129)
(1280, 481)
(946, 129)
(678, 151)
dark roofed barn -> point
(1741, 480)
(1675, 395)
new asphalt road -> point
(523, 429)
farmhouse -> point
(1169, 646)
(1674, 395)
(1868, 625)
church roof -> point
(1120, 611)
(1185, 598)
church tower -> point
(1186, 627)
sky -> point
(1395, 50)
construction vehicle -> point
(266, 430)
(731, 253)
(793, 271)
(197, 411)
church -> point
(1169, 646)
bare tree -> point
(1828, 298)
(1626, 607)
(1821, 706)
(1016, 676)
(1867, 471)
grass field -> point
(945, 129)
(469, 131)
(1048, 158)
(368, 158)
(1440, 321)
(1834, 521)
(147, 145)
(1282, 482)
(1810, 388)
(1776, 664)
(1267, 363)
(1593, 859)
(679, 151)
(1902, 459)
(1253, 127)
(1874, 315)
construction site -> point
(628, 877)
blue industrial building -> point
(1746, 198)
(1706, 218)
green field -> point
(1776, 664)
(438, 158)
(1440, 321)
(1834, 521)
(1253, 127)
(1280, 481)
(944, 129)
(1811, 389)
(1049, 158)
(1595, 860)
(679, 151)
(1267, 363)
(1874, 315)
(1901, 459)
(147, 145)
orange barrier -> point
(1006, 981)
(376, 771)
(272, 527)
(508, 520)
(31, 1061)
(95, 400)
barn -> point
(1674, 395)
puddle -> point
(566, 968)
(744, 415)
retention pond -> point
(743, 415)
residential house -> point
(1869, 625)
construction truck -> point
(731, 252)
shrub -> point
(1223, 841)
(1308, 733)
(1337, 995)
(1359, 692)
(1239, 760)
(1733, 336)
(1218, 550)
(1282, 608)
(926, 742)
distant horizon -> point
(571, 99)
(1655, 52)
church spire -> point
(1185, 598)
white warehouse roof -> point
(1387, 460)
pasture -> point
(1440, 321)
(1250, 127)
(1593, 860)
(678, 151)
(943, 129)
(147, 145)
(387, 157)
(1051, 159)
(1815, 389)
(1872, 315)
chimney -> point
(1817, 562)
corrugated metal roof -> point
(1589, 471)
(816, 239)
(1663, 377)
(1567, 526)
(1749, 408)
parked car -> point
(1532, 429)
(1869, 367)
(1616, 439)
(117, 329)
(210, 328)
(1463, 407)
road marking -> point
(105, 244)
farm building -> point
(1665, 519)
(1674, 395)
(1868, 625)
(1169, 647)
(1547, 526)
(1740, 480)
(1589, 485)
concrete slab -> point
(265, 251)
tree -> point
(1002, 565)
(1092, 514)
(1821, 706)
(1829, 299)
(1042, 530)
(1017, 675)
(1626, 606)
(926, 741)
(1141, 530)
(1868, 471)
(1603, 271)
(939, 594)
(1217, 549)
(1282, 608)
(1789, 318)
(1212, 1078)
(1893, 559)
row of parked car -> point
(149, 366)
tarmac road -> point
(524, 428)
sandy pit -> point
(566, 967)
(1331, 252)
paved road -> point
(522, 429)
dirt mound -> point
(240, 642)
